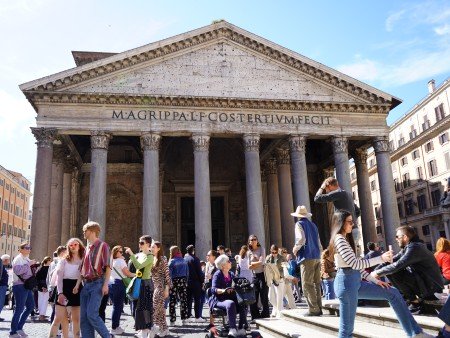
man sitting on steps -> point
(414, 270)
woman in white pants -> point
(41, 276)
(275, 280)
(288, 280)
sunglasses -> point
(120, 251)
(73, 244)
(253, 239)
(26, 247)
(141, 243)
(274, 252)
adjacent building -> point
(14, 212)
(420, 155)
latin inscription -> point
(164, 115)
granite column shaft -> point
(273, 200)
(56, 201)
(299, 171)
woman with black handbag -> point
(22, 289)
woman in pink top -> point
(442, 256)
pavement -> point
(38, 329)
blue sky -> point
(395, 46)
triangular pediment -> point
(219, 60)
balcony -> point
(436, 211)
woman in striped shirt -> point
(348, 284)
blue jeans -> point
(328, 288)
(24, 305)
(230, 306)
(444, 314)
(349, 288)
(90, 300)
(117, 295)
(3, 289)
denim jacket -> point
(178, 268)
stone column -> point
(286, 201)
(253, 188)
(341, 162)
(365, 197)
(150, 143)
(299, 171)
(75, 230)
(66, 200)
(202, 201)
(42, 188)
(391, 218)
(97, 185)
(273, 200)
(56, 198)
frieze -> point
(340, 144)
(207, 102)
(297, 143)
(84, 74)
(201, 142)
(251, 142)
(283, 156)
(381, 144)
(44, 136)
(150, 141)
(100, 140)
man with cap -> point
(307, 249)
(5, 259)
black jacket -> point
(196, 276)
(420, 260)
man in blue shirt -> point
(307, 249)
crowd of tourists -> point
(80, 280)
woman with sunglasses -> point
(275, 277)
(117, 290)
(143, 261)
(256, 257)
(23, 297)
(348, 284)
(67, 275)
(162, 283)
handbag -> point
(134, 288)
(30, 283)
(245, 291)
(126, 280)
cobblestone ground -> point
(38, 329)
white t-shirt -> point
(118, 264)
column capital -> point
(251, 142)
(340, 144)
(200, 142)
(381, 144)
(297, 143)
(283, 156)
(44, 136)
(150, 141)
(100, 139)
(271, 166)
(361, 155)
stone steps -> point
(280, 328)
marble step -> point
(280, 328)
(330, 324)
(386, 316)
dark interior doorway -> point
(188, 221)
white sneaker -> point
(138, 334)
(232, 333)
(200, 320)
(242, 332)
(163, 333)
(22, 334)
(423, 335)
(15, 335)
(117, 330)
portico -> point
(199, 115)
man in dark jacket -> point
(194, 285)
(414, 270)
(4, 262)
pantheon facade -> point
(202, 138)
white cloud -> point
(392, 20)
(364, 70)
(442, 30)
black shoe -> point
(2, 319)
(415, 308)
(312, 314)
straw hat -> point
(301, 212)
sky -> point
(395, 46)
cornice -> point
(44, 97)
(216, 32)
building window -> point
(421, 200)
(401, 141)
(373, 185)
(379, 230)
(7, 186)
(435, 197)
(419, 173)
(447, 160)
(403, 161)
(396, 185)
(409, 205)
(406, 180)
(400, 208)
(2, 182)
(429, 146)
(377, 212)
(426, 123)
(415, 154)
(443, 138)
(412, 133)
(371, 163)
(6, 205)
(432, 168)
(353, 175)
(391, 145)
(440, 113)
(354, 195)
(426, 230)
